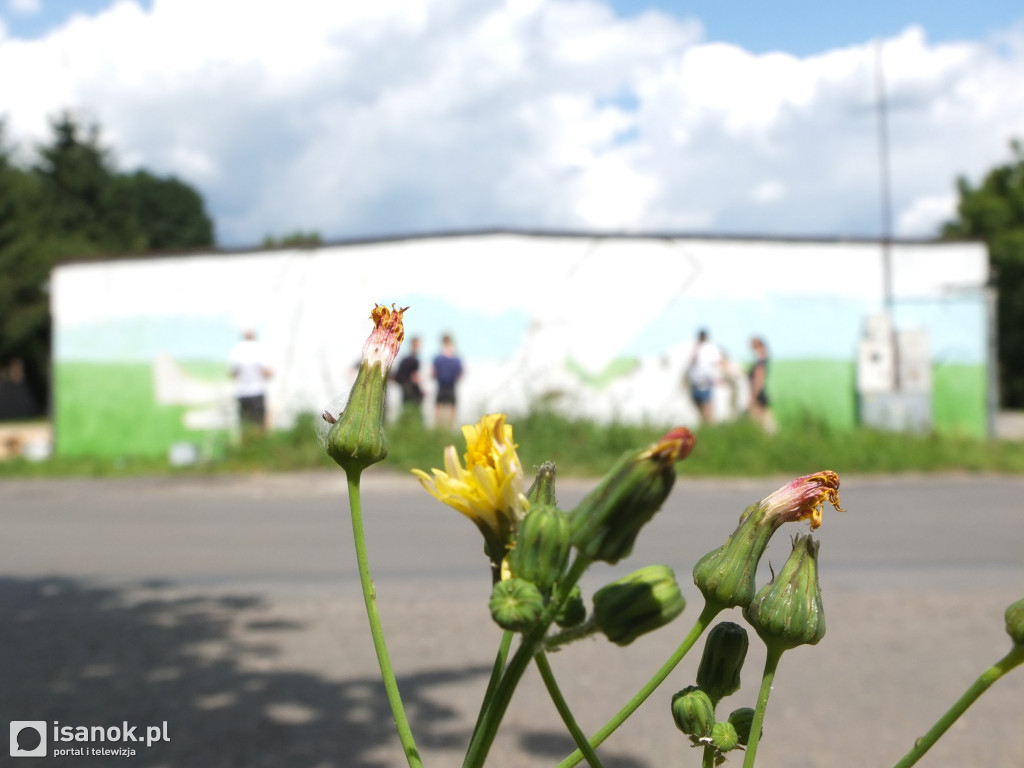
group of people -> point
(708, 367)
(248, 366)
(446, 371)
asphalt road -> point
(230, 609)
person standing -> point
(407, 376)
(760, 408)
(249, 369)
(447, 372)
(705, 364)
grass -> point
(581, 448)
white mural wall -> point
(601, 327)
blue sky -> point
(760, 26)
(34, 18)
(402, 116)
(805, 28)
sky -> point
(355, 119)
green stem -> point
(496, 670)
(708, 761)
(412, 755)
(572, 634)
(706, 617)
(771, 663)
(563, 709)
(1013, 659)
(532, 642)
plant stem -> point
(563, 709)
(412, 755)
(496, 670)
(771, 663)
(1014, 658)
(708, 760)
(533, 641)
(705, 618)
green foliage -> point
(297, 239)
(738, 450)
(24, 310)
(169, 212)
(72, 204)
(994, 212)
(78, 191)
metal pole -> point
(885, 190)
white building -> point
(600, 326)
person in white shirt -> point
(704, 370)
(250, 371)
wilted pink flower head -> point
(675, 446)
(803, 499)
(386, 337)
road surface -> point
(229, 608)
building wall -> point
(600, 327)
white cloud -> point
(925, 215)
(769, 191)
(369, 118)
(25, 7)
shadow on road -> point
(85, 655)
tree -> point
(994, 212)
(102, 211)
(24, 303)
(168, 212)
(71, 205)
(297, 239)
(80, 193)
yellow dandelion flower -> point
(489, 489)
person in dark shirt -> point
(407, 376)
(447, 372)
(760, 406)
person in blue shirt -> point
(447, 372)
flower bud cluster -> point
(604, 527)
(718, 676)
(536, 562)
(725, 576)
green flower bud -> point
(693, 712)
(1015, 622)
(724, 736)
(742, 719)
(516, 604)
(638, 603)
(725, 576)
(356, 437)
(606, 523)
(543, 489)
(573, 610)
(788, 611)
(724, 652)
(542, 547)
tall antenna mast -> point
(885, 195)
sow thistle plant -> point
(537, 553)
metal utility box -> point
(894, 381)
